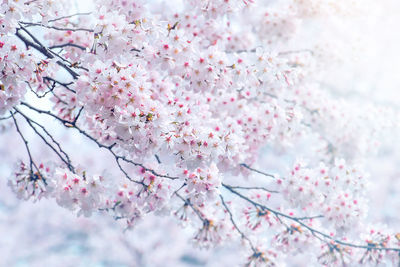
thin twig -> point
(31, 162)
(70, 16)
(235, 225)
(257, 171)
(67, 45)
(65, 85)
(66, 160)
(30, 24)
(7, 117)
(252, 188)
(187, 202)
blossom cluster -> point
(185, 102)
(308, 188)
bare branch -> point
(31, 162)
(257, 171)
(30, 24)
(65, 85)
(66, 160)
(235, 225)
(187, 202)
(70, 16)
(252, 188)
(67, 45)
(7, 117)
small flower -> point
(208, 236)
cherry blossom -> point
(184, 104)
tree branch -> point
(31, 162)
(107, 147)
(66, 160)
(235, 225)
(257, 171)
(30, 24)
(320, 235)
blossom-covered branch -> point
(186, 104)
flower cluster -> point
(184, 101)
(17, 68)
(78, 192)
(31, 184)
(337, 193)
(203, 184)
